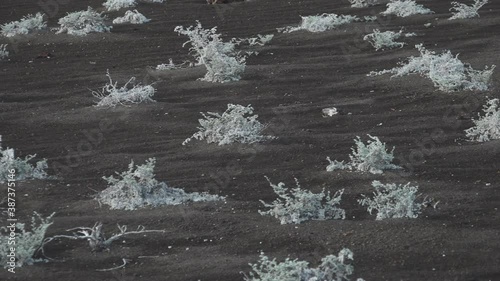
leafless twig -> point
(96, 237)
(116, 267)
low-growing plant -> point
(133, 17)
(373, 158)
(320, 23)
(260, 40)
(362, 3)
(236, 124)
(222, 61)
(171, 65)
(130, 93)
(83, 22)
(137, 188)
(331, 268)
(463, 11)
(23, 169)
(299, 205)
(405, 8)
(115, 5)
(446, 71)
(380, 40)
(487, 127)
(27, 243)
(3, 51)
(26, 25)
(394, 201)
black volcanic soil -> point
(46, 108)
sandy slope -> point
(46, 108)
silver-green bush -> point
(27, 243)
(23, 169)
(446, 71)
(405, 8)
(83, 22)
(380, 40)
(137, 188)
(236, 124)
(320, 23)
(299, 205)
(222, 61)
(115, 5)
(331, 268)
(373, 158)
(133, 17)
(393, 201)
(487, 127)
(463, 11)
(110, 95)
(26, 25)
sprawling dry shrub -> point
(373, 158)
(222, 61)
(137, 188)
(115, 5)
(362, 3)
(130, 93)
(26, 25)
(446, 71)
(393, 201)
(27, 243)
(298, 205)
(320, 23)
(133, 17)
(331, 268)
(21, 167)
(380, 40)
(83, 22)
(463, 11)
(236, 124)
(487, 127)
(405, 8)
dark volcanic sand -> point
(46, 108)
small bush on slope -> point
(487, 127)
(372, 158)
(220, 58)
(462, 11)
(23, 169)
(3, 51)
(27, 242)
(332, 268)
(24, 26)
(380, 40)
(362, 3)
(111, 96)
(115, 5)
(405, 8)
(320, 23)
(171, 65)
(133, 17)
(260, 40)
(137, 188)
(447, 72)
(298, 205)
(393, 201)
(82, 23)
(232, 126)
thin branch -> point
(116, 267)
